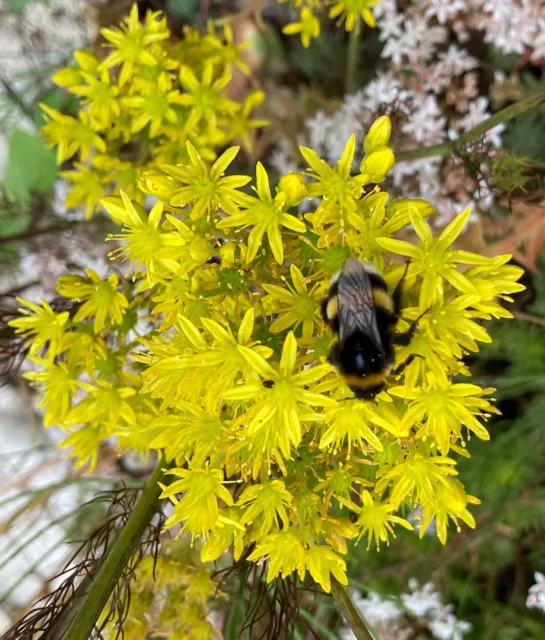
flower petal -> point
(289, 355)
(258, 364)
(398, 246)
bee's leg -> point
(323, 308)
(399, 369)
(398, 291)
(403, 339)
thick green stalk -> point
(351, 614)
(92, 599)
(352, 56)
(449, 148)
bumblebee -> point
(363, 315)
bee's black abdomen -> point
(369, 393)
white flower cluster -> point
(536, 594)
(423, 603)
(513, 26)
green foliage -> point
(19, 5)
(509, 172)
(56, 99)
(186, 9)
(525, 136)
(31, 166)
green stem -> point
(28, 235)
(352, 57)
(92, 600)
(352, 616)
(450, 148)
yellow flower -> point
(375, 165)
(131, 42)
(276, 407)
(240, 125)
(88, 186)
(101, 93)
(322, 562)
(228, 532)
(153, 104)
(101, 298)
(228, 52)
(206, 189)
(335, 186)
(417, 478)
(72, 77)
(351, 421)
(105, 405)
(378, 135)
(198, 509)
(144, 242)
(193, 434)
(58, 384)
(265, 215)
(70, 135)
(308, 26)
(284, 553)
(41, 324)
(450, 502)
(371, 221)
(295, 305)
(265, 503)
(433, 259)
(446, 407)
(351, 10)
(85, 443)
(205, 97)
(207, 369)
(376, 520)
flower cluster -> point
(214, 354)
(170, 596)
(349, 12)
(142, 102)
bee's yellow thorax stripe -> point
(383, 300)
(332, 308)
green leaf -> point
(186, 9)
(31, 166)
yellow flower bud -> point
(201, 250)
(156, 183)
(377, 164)
(227, 253)
(378, 134)
(294, 187)
(67, 77)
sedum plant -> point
(139, 106)
(212, 351)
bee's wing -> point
(356, 306)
